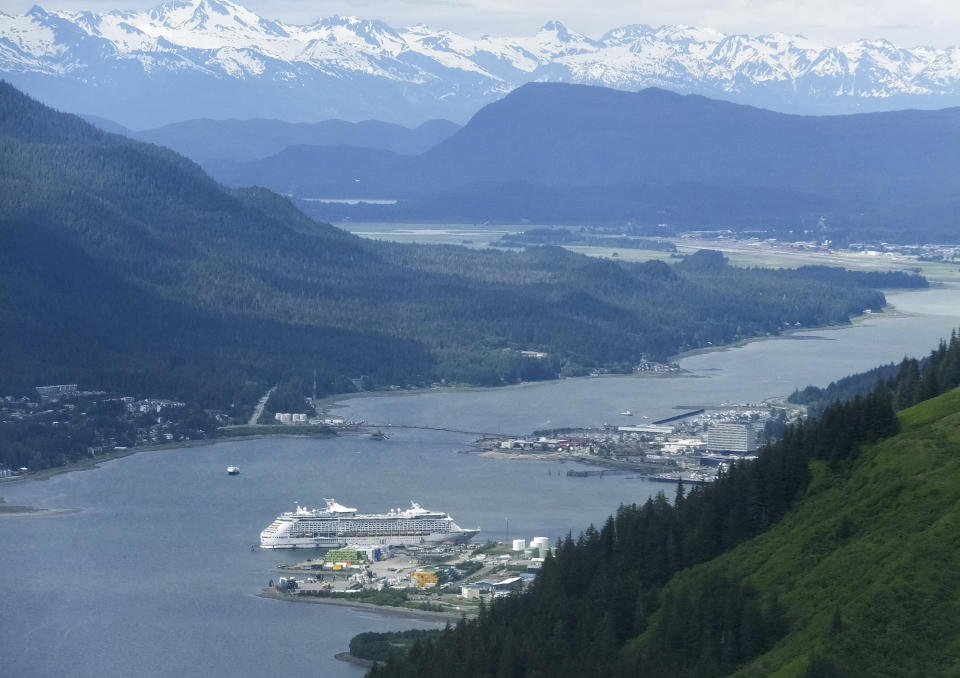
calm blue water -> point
(155, 576)
(750, 373)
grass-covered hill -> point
(866, 566)
(124, 267)
(836, 553)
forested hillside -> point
(126, 268)
(910, 381)
(833, 554)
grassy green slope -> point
(867, 565)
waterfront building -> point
(648, 428)
(736, 438)
(48, 393)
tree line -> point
(613, 602)
(127, 269)
(910, 382)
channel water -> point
(156, 574)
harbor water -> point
(156, 574)
(753, 372)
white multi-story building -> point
(738, 438)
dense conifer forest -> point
(126, 269)
(644, 595)
(910, 381)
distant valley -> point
(174, 286)
(572, 154)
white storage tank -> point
(519, 544)
(542, 544)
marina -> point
(693, 447)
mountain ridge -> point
(564, 137)
(126, 268)
(208, 51)
(204, 140)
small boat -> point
(626, 413)
(233, 470)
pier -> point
(484, 434)
(572, 473)
(678, 417)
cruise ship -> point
(337, 525)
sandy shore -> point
(420, 615)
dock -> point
(678, 417)
(588, 474)
(484, 434)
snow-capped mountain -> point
(214, 58)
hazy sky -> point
(905, 22)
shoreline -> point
(92, 463)
(350, 659)
(621, 467)
(334, 402)
(795, 334)
(389, 610)
(19, 511)
(338, 401)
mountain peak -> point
(685, 33)
(38, 12)
(195, 14)
(555, 27)
(366, 68)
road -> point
(258, 410)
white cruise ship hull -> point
(281, 542)
(337, 526)
(300, 543)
